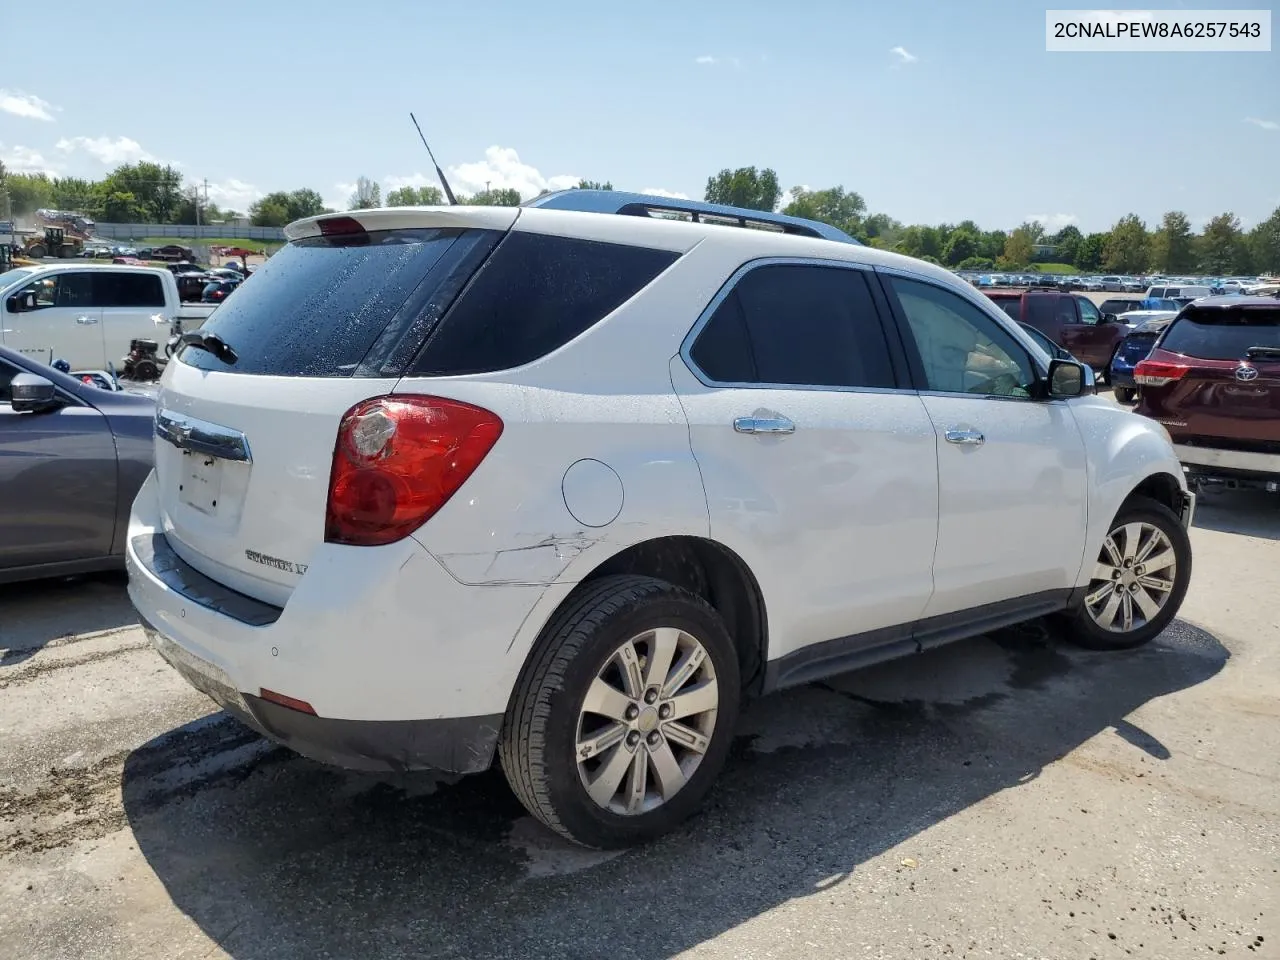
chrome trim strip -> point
(201, 436)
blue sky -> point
(970, 118)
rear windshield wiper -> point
(210, 342)
(1260, 353)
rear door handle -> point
(86, 320)
(966, 437)
(763, 425)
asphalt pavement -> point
(1006, 797)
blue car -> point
(1133, 350)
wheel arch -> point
(706, 568)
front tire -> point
(1139, 579)
(624, 714)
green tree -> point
(1090, 252)
(592, 185)
(1264, 244)
(834, 205)
(271, 211)
(880, 230)
(1018, 249)
(1172, 245)
(304, 202)
(961, 245)
(992, 244)
(72, 193)
(1222, 248)
(367, 195)
(415, 197)
(1068, 240)
(1128, 248)
(28, 192)
(976, 263)
(506, 197)
(745, 187)
(121, 206)
(156, 189)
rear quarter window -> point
(534, 295)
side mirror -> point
(30, 393)
(20, 303)
(1066, 379)
(1110, 318)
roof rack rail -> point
(649, 205)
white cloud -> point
(904, 55)
(26, 105)
(1053, 222)
(107, 151)
(706, 60)
(1264, 124)
(502, 169)
(341, 199)
(233, 194)
(20, 159)
(661, 192)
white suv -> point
(563, 486)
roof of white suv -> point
(675, 235)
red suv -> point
(1072, 321)
(1213, 381)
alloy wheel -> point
(646, 721)
(1133, 577)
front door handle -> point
(763, 425)
(966, 437)
(86, 320)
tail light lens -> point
(1156, 373)
(398, 460)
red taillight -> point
(339, 226)
(291, 702)
(398, 460)
(1156, 373)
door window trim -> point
(898, 362)
(995, 314)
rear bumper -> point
(456, 744)
(405, 667)
(1208, 459)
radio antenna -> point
(439, 173)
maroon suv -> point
(1071, 320)
(1213, 380)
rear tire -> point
(1139, 579)
(609, 748)
(1125, 394)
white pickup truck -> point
(87, 314)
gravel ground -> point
(1005, 797)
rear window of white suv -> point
(382, 304)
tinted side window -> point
(812, 326)
(534, 295)
(128, 290)
(723, 349)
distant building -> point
(1044, 251)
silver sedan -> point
(72, 457)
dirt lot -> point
(1007, 797)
